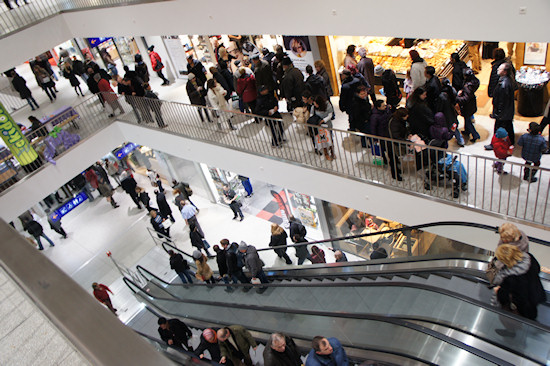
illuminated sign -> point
(15, 140)
(68, 206)
(125, 150)
(94, 42)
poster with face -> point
(535, 53)
(298, 49)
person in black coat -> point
(281, 350)
(347, 93)
(197, 68)
(20, 85)
(378, 252)
(361, 111)
(263, 73)
(391, 87)
(302, 253)
(157, 221)
(36, 230)
(315, 83)
(503, 101)
(278, 238)
(446, 105)
(154, 104)
(197, 93)
(421, 116)
(92, 85)
(499, 58)
(175, 333)
(209, 342)
(397, 130)
(129, 185)
(296, 227)
(267, 105)
(164, 207)
(458, 71)
(432, 88)
(197, 239)
(234, 270)
(466, 99)
(221, 259)
(181, 267)
(220, 79)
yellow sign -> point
(15, 140)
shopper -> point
(234, 268)
(231, 199)
(432, 87)
(246, 89)
(317, 255)
(350, 84)
(129, 184)
(315, 83)
(160, 224)
(20, 85)
(154, 104)
(466, 99)
(217, 98)
(511, 234)
(292, 84)
(235, 343)
(379, 119)
(301, 251)
(281, 350)
(196, 94)
(181, 267)
(502, 147)
(278, 238)
(36, 230)
(349, 59)
(175, 333)
(473, 54)
(390, 85)
(106, 190)
(196, 68)
(55, 225)
(296, 227)
(366, 68)
(209, 342)
(107, 94)
(45, 82)
(222, 81)
(156, 63)
(182, 191)
(70, 74)
(204, 272)
(263, 74)
(268, 106)
(141, 68)
(397, 130)
(112, 169)
(503, 102)
(447, 105)
(458, 71)
(101, 293)
(340, 256)
(323, 111)
(518, 284)
(198, 241)
(361, 111)
(533, 146)
(326, 352)
(499, 58)
(189, 214)
(421, 116)
(253, 263)
(378, 252)
(418, 67)
(322, 71)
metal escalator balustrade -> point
(528, 203)
(415, 302)
(382, 333)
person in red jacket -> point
(101, 294)
(156, 63)
(108, 94)
(246, 88)
(502, 148)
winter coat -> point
(494, 77)
(163, 205)
(221, 259)
(242, 338)
(246, 88)
(264, 104)
(379, 122)
(366, 68)
(446, 105)
(264, 76)
(223, 83)
(212, 348)
(337, 358)
(290, 357)
(324, 74)
(91, 177)
(433, 89)
(467, 100)
(301, 251)
(503, 100)
(142, 71)
(252, 261)
(198, 70)
(196, 96)
(521, 286)
(108, 93)
(501, 147)
(196, 239)
(360, 114)
(156, 61)
(439, 130)
(522, 243)
(420, 117)
(292, 86)
(397, 129)
(216, 97)
(34, 228)
(391, 87)
(178, 264)
(20, 85)
(204, 272)
(178, 332)
(129, 185)
(417, 73)
(278, 240)
(347, 92)
(316, 85)
(232, 262)
(296, 228)
(317, 255)
(458, 75)
(71, 75)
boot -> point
(533, 179)
(526, 173)
(113, 203)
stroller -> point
(446, 169)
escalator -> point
(421, 310)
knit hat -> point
(378, 70)
(190, 76)
(362, 52)
(243, 246)
(501, 133)
(209, 335)
(197, 254)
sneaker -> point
(488, 147)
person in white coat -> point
(417, 70)
(217, 98)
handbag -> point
(46, 80)
(159, 66)
(205, 243)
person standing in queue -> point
(160, 223)
(175, 333)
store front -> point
(111, 53)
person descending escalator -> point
(175, 333)
(281, 350)
(327, 352)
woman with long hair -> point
(421, 116)
(323, 110)
(278, 238)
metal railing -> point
(456, 178)
(24, 13)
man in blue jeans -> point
(36, 230)
(181, 267)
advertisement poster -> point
(535, 53)
(177, 54)
(299, 51)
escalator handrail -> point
(380, 318)
(419, 286)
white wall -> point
(495, 20)
(378, 200)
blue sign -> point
(94, 42)
(68, 206)
(125, 150)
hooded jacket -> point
(246, 88)
(379, 122)
(467, 100)
(439, 130)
